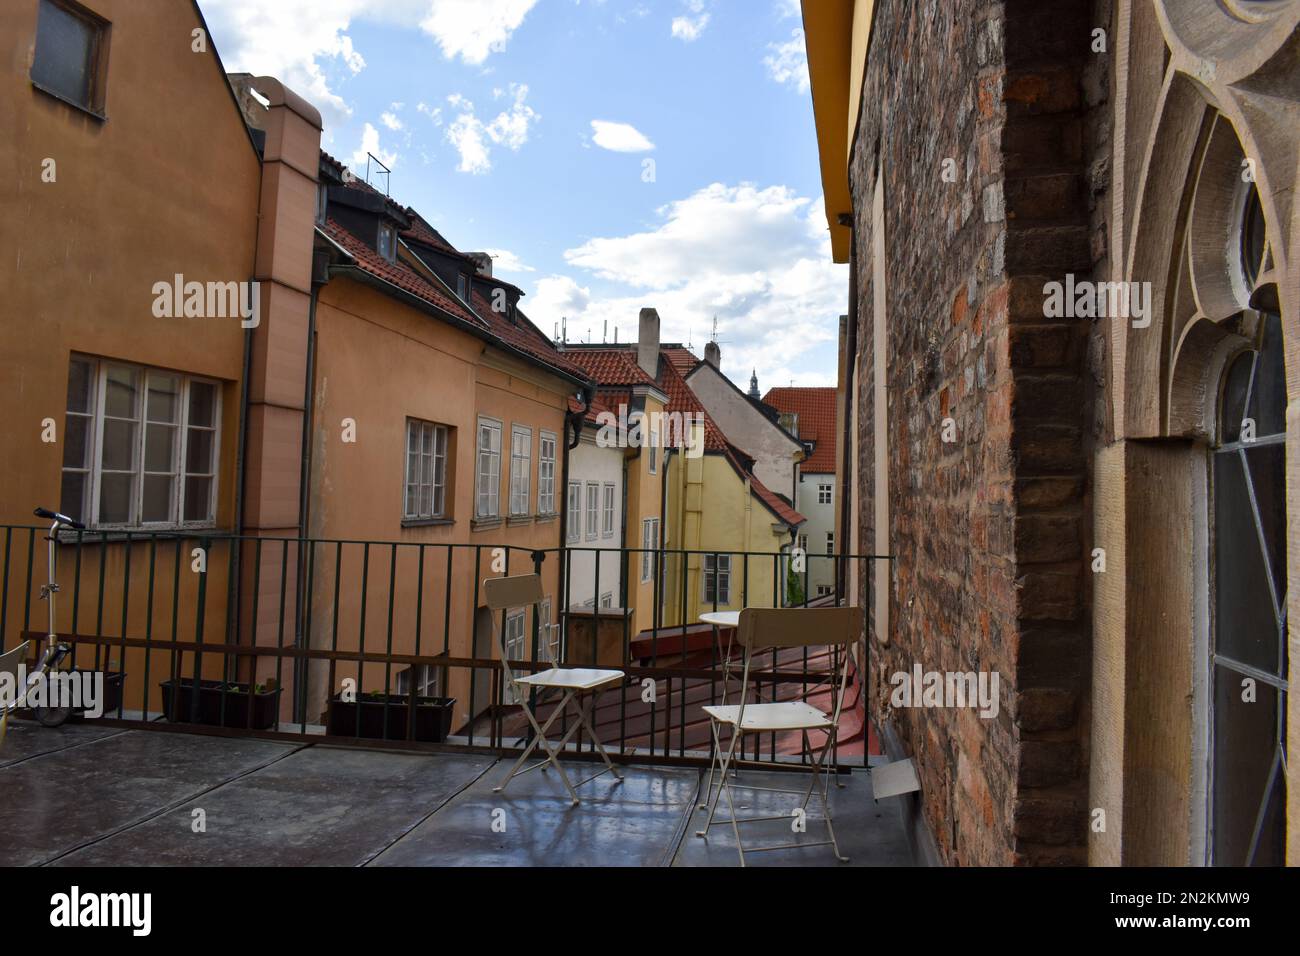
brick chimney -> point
(647, 346)
(713, 355)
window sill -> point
(484, 524)
(96, 114)
(93, 536)
(549, 516)
(516, 521)
(427, 522)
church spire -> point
(753, 384)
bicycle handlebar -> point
(60, 518)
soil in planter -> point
(432, 718)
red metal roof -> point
(816, 410)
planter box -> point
(432, 718)
(112, 689)
(265, 705)
(112, 692)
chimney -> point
(482, 262)
(713, 355)
(647, 347)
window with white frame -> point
(427, 681)
(575, 510)
(546, 474)
(823, 590)
(593, 509)
(549, 632)
(649, 542)
(387, 244)
(803, 543)
(516, 635)
(489, 469)
(426, 470)
(717, 578)
(824, 494)
(830, 542)
(140, 446)
(607, 599)
(521, 466)
(607, 516)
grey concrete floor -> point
(85, 795)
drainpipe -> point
(302, 608)
(571, 420)
(850, 399)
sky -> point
(610, 154)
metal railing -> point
(388, 642)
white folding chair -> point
(583, 683)
(836, 628)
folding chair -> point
(9, 664)
(584, 683)
(760, 628)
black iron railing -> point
(388, 641)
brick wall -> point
(989, 530)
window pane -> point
(119, 445)
(203, 404)
(65, 46)
(80, 381)
(1267, 466)
(115, 493)
(198, 451)
(164, 398)
(1268, 394)
(121, 395)
(73, 501)
(157, 498)
(1245, 628)
(1245, 736)
(198, 491)
(160, 448)
(76, 442)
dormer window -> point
(322, 203)
(387, 245)
(462, 287)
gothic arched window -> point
(1248, 655)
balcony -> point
(285, 783)
(87, 795)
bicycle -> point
(55, 652)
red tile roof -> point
(523, 335)
(816, 410)
(398, 273)
(617, 366)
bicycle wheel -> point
(51, 716)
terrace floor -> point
(88, 795)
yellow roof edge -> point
(828, 36)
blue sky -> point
(611, 153)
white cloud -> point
(306, 44)
(619, 137)
(474, 138)
(370, 144)
(758, 259)
(788, 8)
(474, 29)
(391, 121)
(503, 260)
(787, 63)
(689, 26)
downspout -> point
(850, 400)
(663, 517)
(302, 608)
(622, 537)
